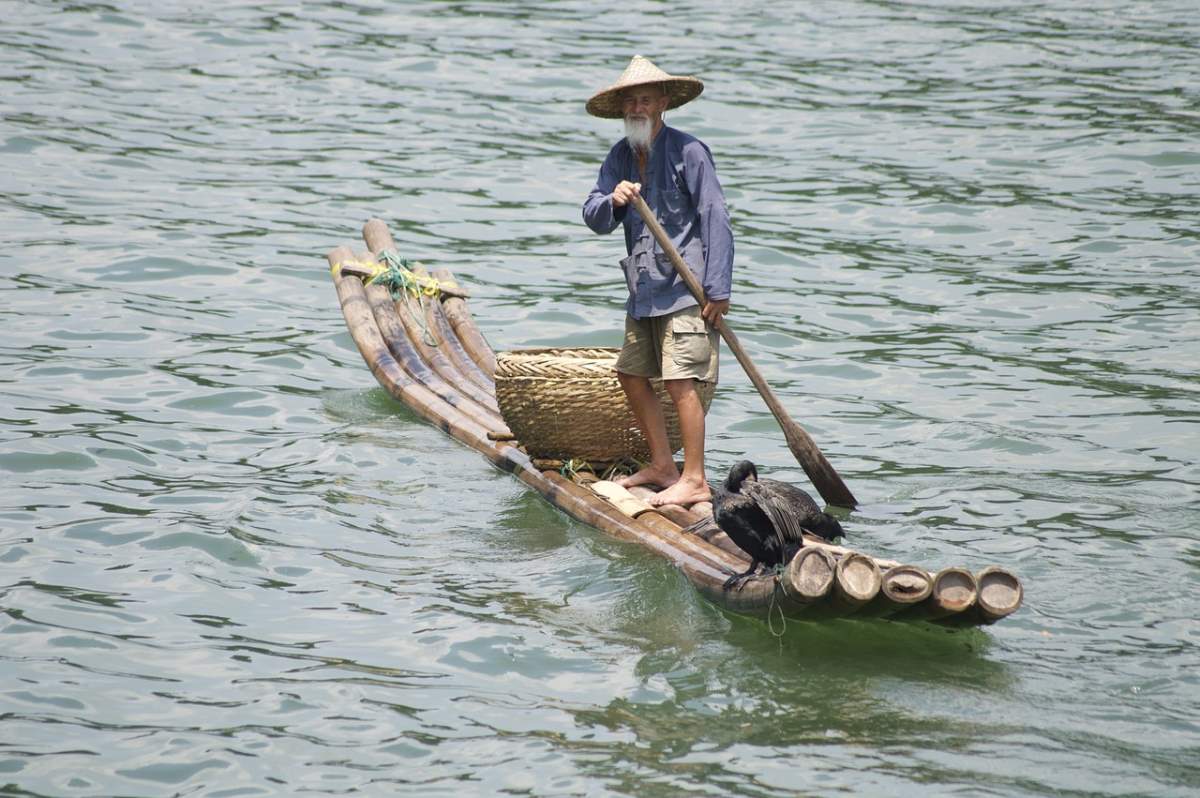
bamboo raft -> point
(427, 352)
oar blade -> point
(820, 472)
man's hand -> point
(624, 192)
(714, 310)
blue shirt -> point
(681, 188)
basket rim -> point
(561, 351)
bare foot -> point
(684, 491)
(651, 475)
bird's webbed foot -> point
(739, 580)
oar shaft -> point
(822, 474)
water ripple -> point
(232, 566)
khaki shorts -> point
(676, 346)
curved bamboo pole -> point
(392, 329)
(399, 383)
(461, 321)
(415, 313)
(412, 311)
(435, 318)
(435, 314)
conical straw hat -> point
(606, 103)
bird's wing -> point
(800, 501)
(782, 514)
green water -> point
(231, 565)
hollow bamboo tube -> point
(435, 317)
(411, 311)
(856, 581)
(426, 317)
(393, 332)
(1000, 594)
(810, 574)
(400, 384)
(901, 587)
(465, 328)
(953, 592)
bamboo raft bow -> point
(417, 336)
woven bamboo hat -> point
(606, 103)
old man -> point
(667, 334)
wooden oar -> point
(819, 471)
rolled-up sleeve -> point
(715, 230)
(598, 211)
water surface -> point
(231, 565)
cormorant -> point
(765, 517)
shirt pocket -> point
(689, 339)
(675, 203)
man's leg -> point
(692, 486)
(647, 410)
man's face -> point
(644, 102)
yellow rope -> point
(403, 284)
(396, 276)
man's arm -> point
(600, 210)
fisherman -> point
(667, 334)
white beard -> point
(638, 132)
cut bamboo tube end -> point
(999, 593)
(906, 584)
(856, 580)
(901, 587)
(810, 575)
(954, 591)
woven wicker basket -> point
(567, 404)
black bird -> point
(765, 517)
